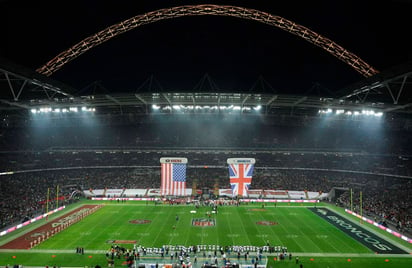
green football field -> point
(305, 234)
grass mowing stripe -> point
(265, 227)
(289, 228)
(245, 231)
(335, 235)
(226, 212)
(161, 227)
(247, 219)
(64, 239)
(188, 227)
(203, 234)
(305, 240)
(278, 228)
(281, 240)
(340, 238)
(151, 227)
(312, 222)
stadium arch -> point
(207, 9)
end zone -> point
(360, 234)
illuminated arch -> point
(196, 10)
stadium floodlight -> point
(328, 111)
(85, 109)
(57, 110)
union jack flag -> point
(240, 178)
(173, 179)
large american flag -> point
(173, 179)
(240, 178)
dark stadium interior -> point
(297, 144)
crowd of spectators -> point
(392, 164)
(24, 195)
(386, 201)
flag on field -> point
(173, 176)
(240, 174)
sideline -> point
(151, 256)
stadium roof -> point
(237, 62)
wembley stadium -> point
(303, 160)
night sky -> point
(233, 52)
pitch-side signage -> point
(173, 160)
(231, 161)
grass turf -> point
(295, 227)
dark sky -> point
(232, 51)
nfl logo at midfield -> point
(240, 174)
